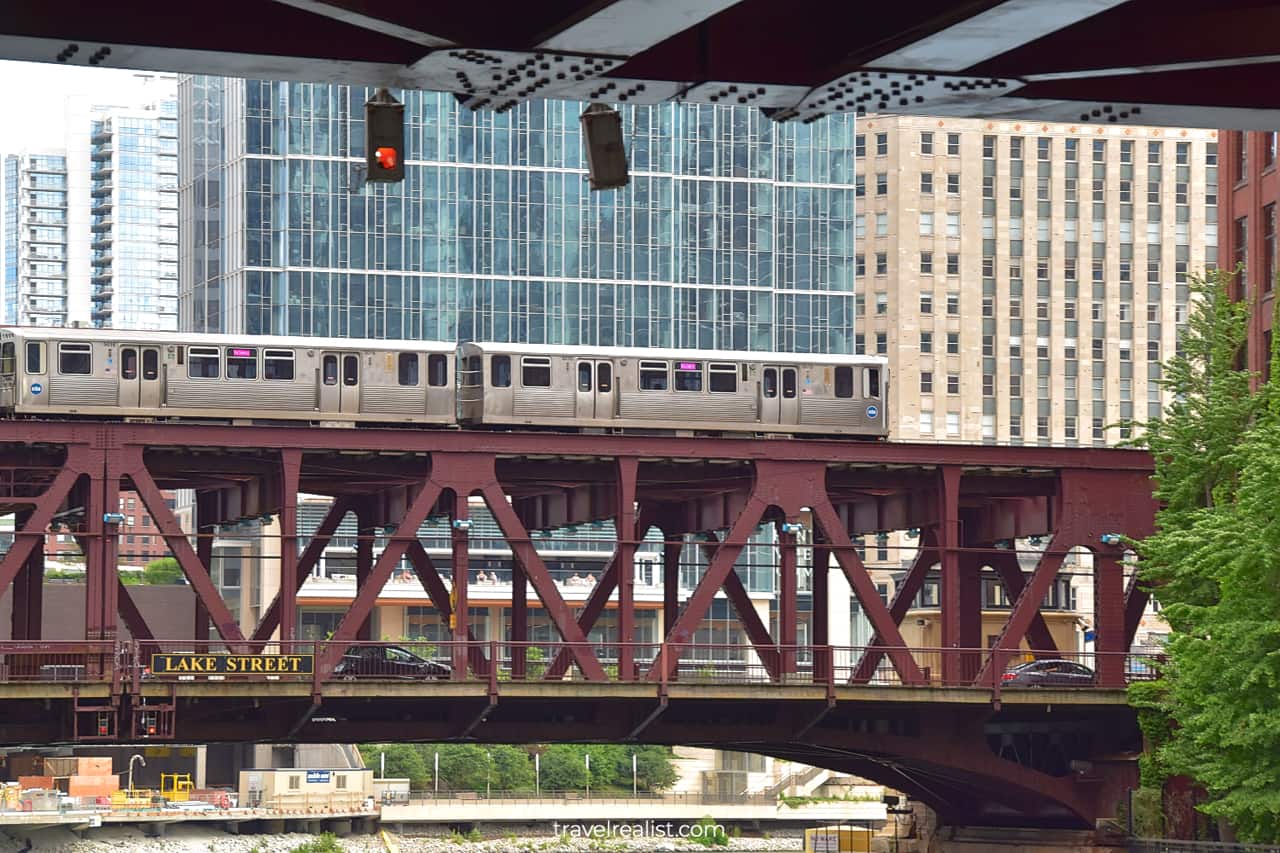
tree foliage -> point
(165, 570)
(1215, 565)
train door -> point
(595, 390)
(130, 371)
(779, 403)
(149, 383)
(340, 382)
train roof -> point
(292, 341)
(670, 354)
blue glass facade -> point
(734, 232)
(134, 207)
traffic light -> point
(384, 137)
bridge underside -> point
(705, 494)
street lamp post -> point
(488, 767)
(635, 789)
(586, 757)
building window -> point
(1015, 426)
(882, 303)
(926, 263)
(926, 342)
(1268, 149)
(953, 263)
(953, 183)
(926, 224)
(882, 144)
(953, 383)
(953, 303)
(926, 422)
(926, 142)
(1015, 385)
(1269, 242)
(953, 225)
(860, 264)
(882, 225)
(1069, 428)
(926, 303)
(953, 145)
(859, 146)
(882, 263)
(1242, 158)
(1242, 252)
(953, 343)
(882, 343)
(1042, 427)
(988, 384)
(988, 147)
(926, 183)
(953, 423)
(926, 382)
(882, 183)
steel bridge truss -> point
(713, 493)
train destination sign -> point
(224, 664)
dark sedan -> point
(388, 662)
(1049, 673)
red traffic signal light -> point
(384, 138)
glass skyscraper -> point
(734, 233)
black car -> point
(1049, 673)
(388, 662)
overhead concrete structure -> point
(1191, 63)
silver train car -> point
(514, 385)
(151, 375)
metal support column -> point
(787, 598)
(460, 541)
(366, 530)
(625, 529)
(1109, 618)
(953, 601)
(28, 589)
(290, 471)
(207, 519)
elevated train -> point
(110, 374)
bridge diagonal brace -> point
(32, 533)
(827, 708)
(304, 718)
(1006, 565)
(1135, 604)
(599, 597)
(903, 598)
(367, 595)
(757, 631)
(197, 573)
(658, 711)
(425, 570)
(543, 584)
(479, 718)
(712, 580)
(1024, 608)
(306, 563)
(877, 614)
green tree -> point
(404, 761)
(165, 570)
(654, 768)
(562, 768)
(1215, 564)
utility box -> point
(341, 790)
(837, 839)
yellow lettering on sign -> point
(255, 665)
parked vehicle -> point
(1049, 673)
(388, 662)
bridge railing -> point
(495, 662)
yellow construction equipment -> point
(176, 787)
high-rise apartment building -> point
(35, 239)
(1026, 280)
(1248, 235)
(91, 228)
(734, 232)
(134, 217)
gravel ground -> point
(191, 839)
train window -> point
(150, 363)
(8, 358)
(242, 363)
(277, 364)
(770, 383)
(871, 381)
(351, 370)
(653, 376)
(688, 376)
(329, 370)
(500, 371)
(535, 372)
(129, 363)
(584, 376)
(844, 382)
(788, 382)
(35, 357)
(407, 368)
(604, 377)
(437, 371)
(75, 359)
(202, 362)
(724, 378)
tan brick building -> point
(1025, 279)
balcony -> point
(100, 188)
(101, 223)
(102, 152)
